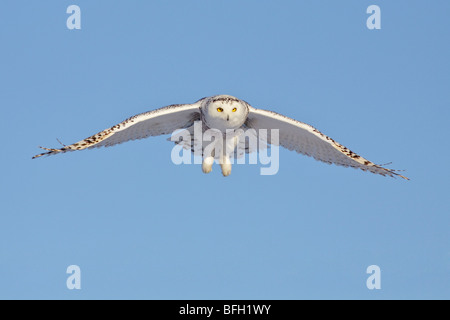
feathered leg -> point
(207, 164)
(226, 166)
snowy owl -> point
(223, 113)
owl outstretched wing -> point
(307, 140)
(153, 123)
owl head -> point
(224, 112)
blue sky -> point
(140, 227)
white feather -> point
(307, 140)
(153, 123)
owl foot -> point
(226, 169)
(207, 164)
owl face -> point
(224, 112)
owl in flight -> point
(224, 113)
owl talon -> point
(206, 169)
(207, 164)
(226, 167)
(226, 171)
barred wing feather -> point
(305, 139)
(153, 123)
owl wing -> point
(153, 123)
(307, 140)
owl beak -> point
(228, 117)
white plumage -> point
(222, 113)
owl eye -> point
(219, 109)
(234, 109)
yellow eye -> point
(220, 109)
(234, 110)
